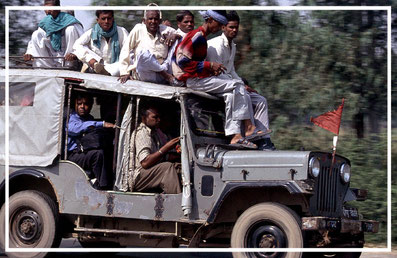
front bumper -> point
(341, 225)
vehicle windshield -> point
(206, 116)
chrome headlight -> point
(345, 172)
(314, 167)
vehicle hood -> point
(259, 165)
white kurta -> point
(40, 46)
(221, 52)
(144, 45)
(85, 50)
(238, 104)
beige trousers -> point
(164, 175)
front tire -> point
(33, 223)
(267, 225)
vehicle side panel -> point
(75, 195)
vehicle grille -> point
(329, 191)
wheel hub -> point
(267, 236)
(28, 226)
(267, 241)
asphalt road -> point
(73, 243)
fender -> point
(291, 186)
(14, 175)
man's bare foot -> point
(236, 138)
(249, 130)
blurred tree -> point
(366, 32)
(22, 24)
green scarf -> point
(53, 27)
(98, 32)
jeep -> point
(231, 197)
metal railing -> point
(22, 64)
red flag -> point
(331, 120)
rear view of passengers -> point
(99, 47)
(55, 37)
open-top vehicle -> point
(231, 197)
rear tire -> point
(267, 225)
(33, 223)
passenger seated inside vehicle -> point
(86, 142)
(148, 157)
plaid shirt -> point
(144, 141)
(190, 54)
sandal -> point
(244, 144)
(258, 135)
(177, 83)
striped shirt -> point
(190, 55)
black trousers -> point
(93, 162)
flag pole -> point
(331, 121)
(335, 141)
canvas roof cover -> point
(35, 117)
(35, 111)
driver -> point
(149, 148)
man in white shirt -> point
(222, 49)
(54, 39)
(99, 47)
(146, 42)
(185, 21)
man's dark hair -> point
(53, 2)
(181, 14)
(82, 95)
(144, 110)
(99, 12)
(244, 80)
(233, 16)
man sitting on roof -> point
(185, 22)
(147, 43)
(190, 66)
(222, 49)
(99, 47)
(55, 37)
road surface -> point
(73, 243)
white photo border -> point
(217, 250)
